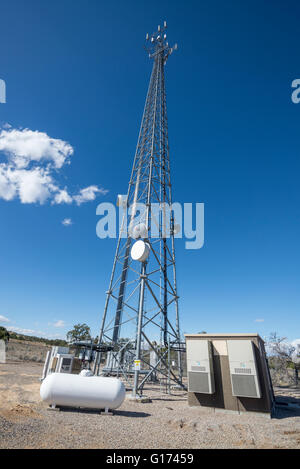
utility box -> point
(64, 363)
(58, 360)
(229, 372)
(200, 367)
(243, 369)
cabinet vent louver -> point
(244, 386)
(198, 382)
(198, 368)
(242, 371)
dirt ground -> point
(166, 422)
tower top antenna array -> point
(158, 43)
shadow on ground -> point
(287, 402)
(128, 413)
(168, 400)
(125, 413)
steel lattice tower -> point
(141, 309)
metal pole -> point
(169, 365)
(139, 335)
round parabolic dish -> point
(140, 251)
(138, 231)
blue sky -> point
(76, 71)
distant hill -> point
(31, 338)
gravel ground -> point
(166, 422)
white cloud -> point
(59, 323)
(8, 189)
(62, 197)
(259, 320)
(67, 222)
(4, 319)
(88, 194)
(24, 146)
(36, 333)
(32, 163)
(21, 330)
(34, 185)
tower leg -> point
(139, 330)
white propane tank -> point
(93, 392)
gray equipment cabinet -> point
(229, 371)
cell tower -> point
(140, 323)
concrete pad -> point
(141, 399)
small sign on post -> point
(137, 365)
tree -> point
(280, 347)
(282, 355)
(128, 342)
(79, 332)
(4, 334)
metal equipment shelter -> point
(230, 372)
